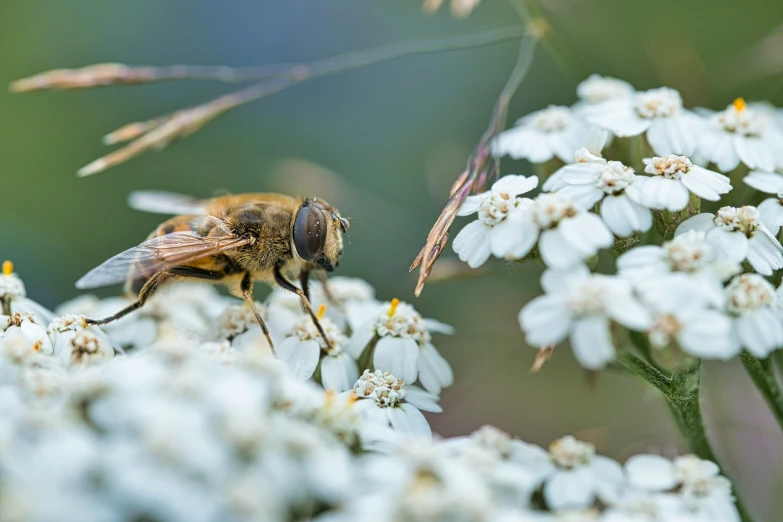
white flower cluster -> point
(490, 477)
(204, 423)
(685, 290)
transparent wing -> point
(159, 202)
(157, 254)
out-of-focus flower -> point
(305, 349)
(459, 8)
(771, 209)
(400, 340)
(23, 336)
(673, 179)
(757, 324)
(504, 227)
(543, 135)
(688, 253)
(592, 180)
(597, 89)
(683, 317)
(741, 133)
(670, 129)
(13, 297)
(573, 475)
(387, 401)
(690, 488)
(738, 235)
(76, 342)
(582, 306)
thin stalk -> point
(681, 393)
(763, 376)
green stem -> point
(681, 393)
(763, 376)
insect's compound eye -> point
(309, 231)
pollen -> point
(739, 104)
(321, 311)
(393, 308)
(8, 268)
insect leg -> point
(304, 281)
(285, 283)
(147, 290)
(247, 293)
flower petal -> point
(672, 135)
(300, 356)
(624, 216)
(769, 182)
(472, 244)
(515, 185)
(764, 254)
(545, 320)
(514, 237)
(398, 356)
(703, 222)
(338, 372)
(434, 371)
(569, 489)
(591, 341)
(705, 183)
(651, 472)
(405, 418)
(421, 399)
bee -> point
(231, 240)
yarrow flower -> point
(597, 89)
(673, 179)
(741, 133)
(670, 129)
(24, 336)
(503, 228)
(582, 306)
(542, 135)
(76, 342)
(401, 342)
(688, 253)
(304, 350)
(757, 322)
(771, 209)
(738, 235)
(593, 179)
(699, 492)
(573, 475)
(13, 296)
(387, 401)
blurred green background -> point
(384, 144)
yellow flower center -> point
(8, 268)
(739, 104)
(321, 311)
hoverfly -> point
(231, 240)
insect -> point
(232, 240)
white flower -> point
(741, 132)
(738, 234)
(504, 227)
(75, 342)
(569, 234)
(688, 253)
(756, 315)
(23, 333)
(658, 112)
(673, 179)
(682, 316)
(582, 305)
(385, 400)
(698, 491)
(770, 210)
(403, 345)
(574, 476)
(597, 89)
(238, 325)
(305, 349)
(593, 179)
(542, 135)
(13, 296)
